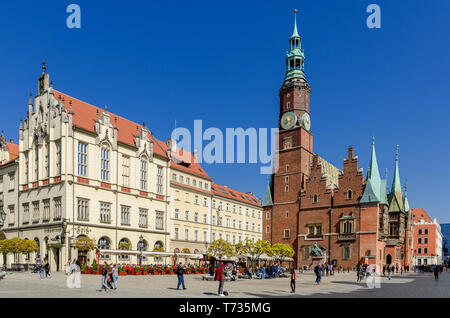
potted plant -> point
(171, 271)
(122, 271)
(144, 270)
(83, 269)
(155, 271)
(137, 270)
(95, 269)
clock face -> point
(288, 120)
(306, 121)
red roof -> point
(419, 214)
(13, 150)
(85, 115)
(226, 192)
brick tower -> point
(295, 150)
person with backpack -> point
(293, 278)
(180, 275)
(219, 278)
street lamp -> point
(140, 248)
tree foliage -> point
(84, 244)
(281, 251)
(28, 246)
(253, 250)
(125, 246)
(158, 249)
(220, 248)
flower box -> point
(137, 273)
(122, 274)
(144, 273)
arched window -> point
(104, 244)
(124, 244)
(105, 162)
(349, 194)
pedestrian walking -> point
(41, 271)
(389, 269)
(180, 275)
(105, 277)
(47, 269)
(384, 270)
(436, 272)
(115, 275)
(293, 279)
(318, 272)
(219, 278)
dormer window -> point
(349, 194)
(315, 198)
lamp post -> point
(140, 248)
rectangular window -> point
(194, 182)
(287, 233)
(205, 201)
(11, 181)
(213, 236)
(196, 199)
(196, 217)
(47, 159)
(105, 164)
(188, 181)
(176, 233)
(186, 216)
(83, 210)
(234, 208)
(426, 231)
(176, 214)
(26, 213)
(234, 224)
(196, 235)
(82, 159)
(46, 212)
(246, 226)
(159, 180)
(143, 217)
(1, 184)
(205, 236)
(58, 157)
(206, 186)
(12, 214)
(228, 222)
(267, 229)
(174, 177)
(105, 212)
(220, 221)
(346, 252)
(240, 225)
(125, 215)
(57, 209)
(36, 163)
(25, 155)
(227, 207)
(36, 212)
(186, 234)
(213, 220)
(227, 237)
(425, 250)
(143, 174)
(159, 220)
(181, 179)
(200, 184)
(126, 171)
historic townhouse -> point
(308, 201)
(235, 216)
(82, 171)
(428, 239)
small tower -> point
(295, 57)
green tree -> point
(15, 247)
(158, 249)
(253, 250)
(281, 251)
(28, 246)
(5, 248)
(220, 248)
(125, 246)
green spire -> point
(295, 33)
(405, 200)
(373, 191)
(396, 186)
(295, 57)
(268, 197)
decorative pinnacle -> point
(105, 108)
(43, 67)
(396, 153)
(373, 140)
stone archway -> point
(388, 259)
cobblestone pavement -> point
(339, 285)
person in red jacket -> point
(219, 278)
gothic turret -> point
(295, 56)
(375, 190)
(396, 195)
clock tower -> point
(295, 147)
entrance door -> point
(388, 259)
(82, 257)
(56, 258)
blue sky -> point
(223, 62)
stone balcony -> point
(347, 236)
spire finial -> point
(373, 140)
(43, 67)
(396, 153)
(295, 33)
